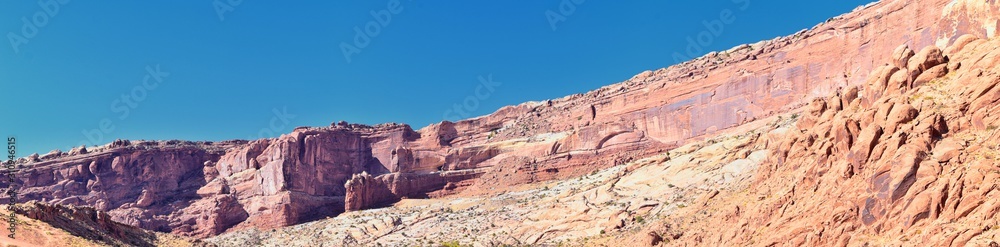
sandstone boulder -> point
(925, 59)
(959, 44)
(51, 154)
(931, 74)
(78, 150)
(120, 143)
(897, 83)
(901, 56)
(849, 95)
(879, 80)
(947, 150)
(817, 107)
(33, 158)
(653, 239)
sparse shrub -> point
(453, 243)
(638, 218)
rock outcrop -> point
(91, 225)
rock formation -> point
(203, 189)
(901, 165)
(84, 226)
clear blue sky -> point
(227, 75)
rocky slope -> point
(908, 158)
(204, 189)
(912, 160)
(40, 224)
(618, 199)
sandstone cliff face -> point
(540, 214)
(910, 160)
(138, 183)
(662, 109)
(205, 189)
(907, 158)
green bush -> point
(453, 243)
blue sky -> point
(204, 70)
